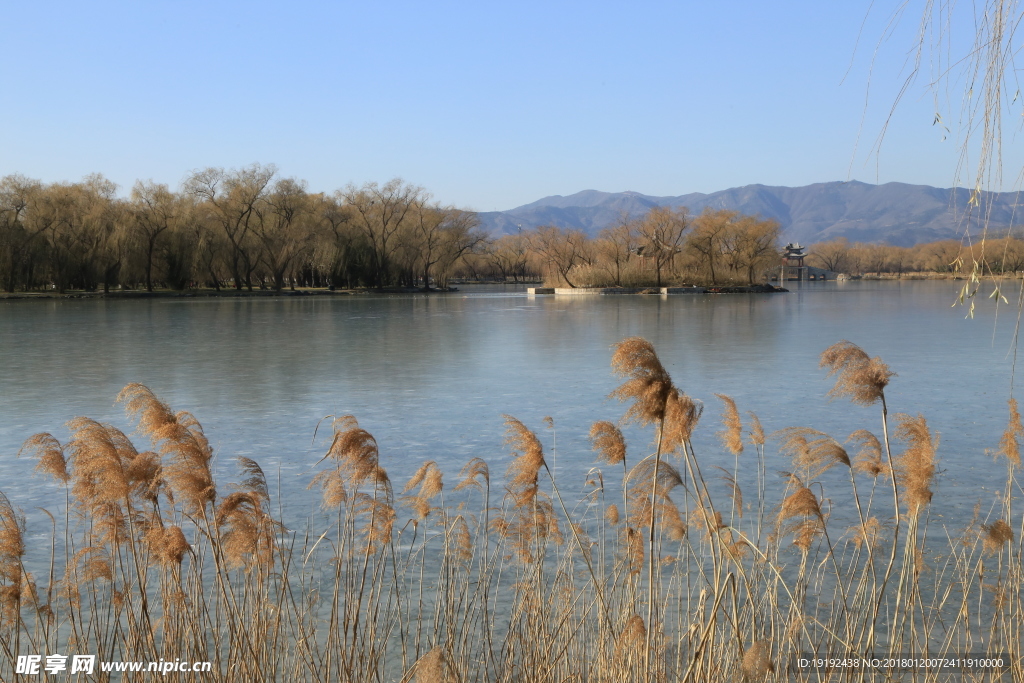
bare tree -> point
(16, 234)
(707, 241)
(442, 235)
(615, 246)
(154, 210)
(753, 246)
(509, 255)
(380, 211)
(562, 249)
(233, 197)
(284, 226)
(661, 234)
(834, 255)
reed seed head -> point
(801, 502)
(681, 416)
(523, 473)
(756, 430)
(732, 435)
(811, 451)
(434, 667)
(181, 442)
(803, 507)
(916, 465)
(996, 535)
(246, 531)
(608, 442)
(168, 544)
(861, 378)
(757, 662)
(867, 534)
(648, 384)
(869, 456)
(707, 519)
(12, 542)
(472, 473)
(630, 643)
(1009, 445)
(50, 454)
(611, 514)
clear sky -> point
(486, 105)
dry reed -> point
(674, 582)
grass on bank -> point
(662, 569)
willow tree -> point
(284, 226)
(154, 211)
(441, 235)
(233, 198)
(706, 244)
(380, 212)
(17, 235)
(661, 234)
(562, 249)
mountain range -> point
(895, 213)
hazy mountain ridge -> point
(897, 213)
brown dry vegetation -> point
(952, 258)
(657, 574)
(250, 228)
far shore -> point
(323, 291)
(206, 293)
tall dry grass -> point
(661, 569)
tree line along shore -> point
(252, 229)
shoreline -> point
(213, 293)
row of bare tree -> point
(249, 228)
(993, 256)
(241, 228)
(664, 246)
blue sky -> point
(486, 105)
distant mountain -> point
(896, 213)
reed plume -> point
(641, 481)
(1009, 445)
(811, 451)
(50, 454)
(609, 443)
(12, 541)
(732, 435)
(757, 661)
(756, 430)
(633, 550)
(916, 465)
(12, 550)
(648, 385)
(861, 378)
(472, 473)
(435, 667)
(356, 459)
(869, 456)
(168, 544)
(996, 535)
(528, 459)
(629, 645)
(611, 514)
(428, 479)
(802, 511)
(868, 534)
(181, 443)
(682, 414)
(246, 532)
